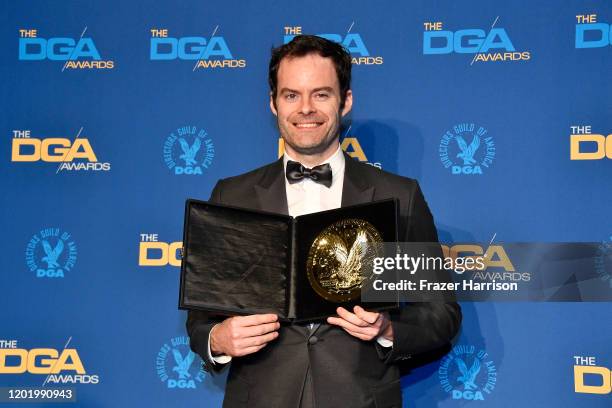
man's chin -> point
(310, 150)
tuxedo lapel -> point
(355, 189)
(270, 190)
(272, 196)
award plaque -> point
(337, 257)
(239, 262)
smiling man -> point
(309, 105)
(350, 360)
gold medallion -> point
(340, 256)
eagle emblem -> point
(468, 376)
(182, 364)
(467, 152)
(189, 152)
(52, 253)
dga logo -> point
(466, 149)
(61, 366)
(603, 261)
(177, 366)
(591, 377)
(493, 44)
(350, 145)
(467, 373)
(585, 145)
(153, 252)
(188, 150)
(353, 42)
(211, 52)
(51, 253)
(72, 155)
(498, 266)
(80, 53)
(590, 33)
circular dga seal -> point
(338, 256)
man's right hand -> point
(241, 335)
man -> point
(349, 360)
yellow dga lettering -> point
(356, 150)
(17, 369)
(16, 154)
(57, 154)
(69, 360)
(579, 386)
(76, 152)
(604, 147)
(281, 146)
(145, 260)
(502, 261)
(45, 363)
(173, 249)
(459, 251)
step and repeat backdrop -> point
(114, 113)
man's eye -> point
(322, 95)
(290, 96)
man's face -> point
(308, 105)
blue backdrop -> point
(101, 99)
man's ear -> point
(348, 103)
(273, 105)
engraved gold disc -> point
(340, 256)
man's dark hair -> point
(303, 45)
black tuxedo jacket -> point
(327, 367)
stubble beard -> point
(318, 148)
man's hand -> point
(241, 335)
(362, 324)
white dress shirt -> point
(308, 196)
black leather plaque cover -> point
(240, 262)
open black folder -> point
(240, 262)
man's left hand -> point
(363, 324)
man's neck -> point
(312, 160)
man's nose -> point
(307, 106)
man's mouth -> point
(307, 125)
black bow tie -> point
(320, 174)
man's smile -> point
(308, 125)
